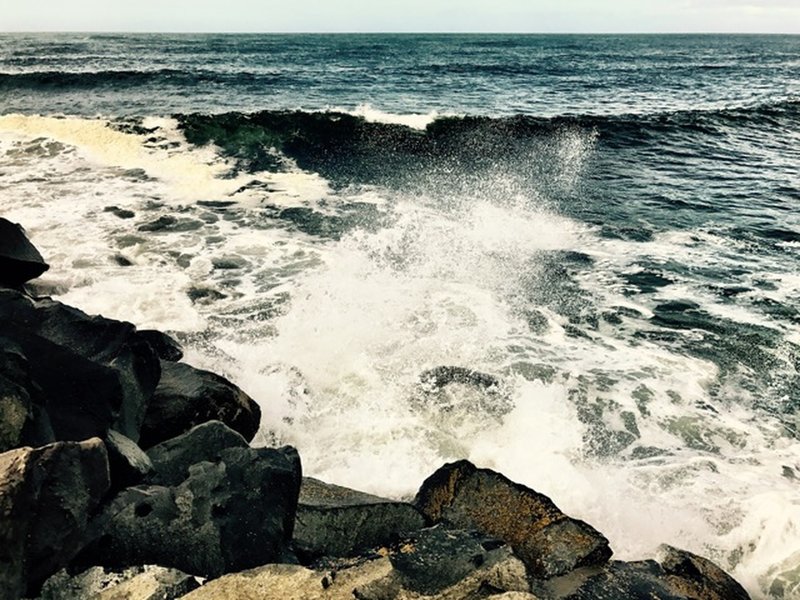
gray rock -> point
(128, 463)
(149, 582)
(46, 497)
(226, 516)
(186, 397)
(172, 459)
(549, 542)
(20, 261)
(337, 521)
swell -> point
(350, 148)
(71, 80)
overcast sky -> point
(756, 16)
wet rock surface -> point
(20, 261)
(187, 396)
(548, 541)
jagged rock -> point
(172, 459)
(46, 497)
(337, 521)
(128, 463)
(548, 541)
(697, 577)
(94, 372)
(164, 346)
(149, 582)
(226, 516)
(186, 397)
(376, 579)
(20, 261)
(683, 576)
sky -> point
(534, 16)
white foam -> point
(414, 121)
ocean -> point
(609, 226)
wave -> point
(355, 146)
(66, 80)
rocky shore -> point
(127, 474)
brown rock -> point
(46, 497)
(549, 542)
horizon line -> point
(421, 32)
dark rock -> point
(230, 262)
(149, 582)
(164, 346)
(681, 576)
(226, 516)
(697, 577)
(46, 497)
(19, 259)
(122, 213)
(122, 261)
(337, 521)
(95, 372)
(127, 462)
(204, 295)
(437, 558)
(16, 401)
(170, 223)
(549, 542)
(171, 459)
(186, 397)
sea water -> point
(608, 225)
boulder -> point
(94, 372)
(20, 261)
(549, 542)
(127, 462)
(46, 497)
(697, 577)
(171, 459)
(149, 582)
(186, 397)
(226, 516)
(682, 576)
(163, 345)
(18, 395)
(455, 568)
(337, 521)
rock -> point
(122, 213)
(375, 579)
(127, 462)
(682, 576)
(337, 521)
(17, 394)
(20, 261)
(435, 559)
(149, 582)
(170, 223)
(549, 542)
(46, 497)
(697, 577)
(164, 346)
(94, 372)
(226, 516)
(172, 459)
(293, 582)
(186, 397)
